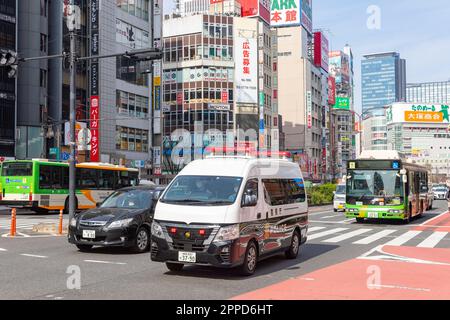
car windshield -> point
(340, 189)
(440, 189)
(383, 186)
(129, 199)
(203, 190)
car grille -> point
(188, 246)
(87, 223)
(181, 233)
(188, 238)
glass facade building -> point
(428, 92)
(383, 82)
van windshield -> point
(203, 190)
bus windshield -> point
(374, 187)
(203, 190)
(17, 169)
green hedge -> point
(321, 195)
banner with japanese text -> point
(246, 73)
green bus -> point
(43, 185)
(386, 188)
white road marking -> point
(326, 233)
(433, 239)
(3, 250)
(403, 238)
(374, 237)
(105, 262)
(33, 256)
(432, 219)
(312, 229)
(397, 287)
(328, 217)
(347, 235)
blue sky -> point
(418, 29)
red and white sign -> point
(246, 72)
(215, 1)
(224, 97)
(331, 91)
(254, 8)
(321, 50)
(95, 137)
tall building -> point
(189, 7)
(8, 41)
(383, 81)
(213, 76)
(343, 111)
(374, 133)
(113, 95)
(428, 92)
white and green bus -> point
(43, 185)
(383, 185)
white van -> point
(229, 212)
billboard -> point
(339, 66)
(307, 15)
(342, 103)
(246, 72)
(254, 8)
(418, 113)
(321, 49)
(331, 91)
(285, 13)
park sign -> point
(418, 113)
(284, 13)
(342, 103)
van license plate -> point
(189, 257)
(89, 234)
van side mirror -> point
(98, 204)
(249, 200)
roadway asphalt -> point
(36, 266)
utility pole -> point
(73, 96)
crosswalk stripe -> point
(347, 235)
(374, 237)
(403, 238)
(433, 239)
(326, 233)
(312, 229)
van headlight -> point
(120, 223)
(157, 230)
(227, 233)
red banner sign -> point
(95, 139)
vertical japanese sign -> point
(307, 15)
(95, 111)
(246, 72)
(309, 109)
(331, 91)
(94, 83)
(321, 49)
(285, 13)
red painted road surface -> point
(439, 223)
(358, 279)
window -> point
(251, 191)
(53, 177)
(43, 45)
(87, 178)
(284, 191)
(44, 8)
(43, 78)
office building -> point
(374, 136)
(8, 41)
(428, 92)
(383, 82)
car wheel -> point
(294, 248)
(359, 220)
(84, 247)
(335, 210)
(175, 267)
(142, 242)
(250, 260)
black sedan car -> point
(124, 219)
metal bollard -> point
(60, 229)
(13, 222)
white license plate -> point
(89, 234)
(372, 215)
(190, 257)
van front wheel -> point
(250, 260)
(293, 250)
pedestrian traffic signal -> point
(8, 59)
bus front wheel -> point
(359, 220)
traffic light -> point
(8, 59)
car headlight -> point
(227, 233)
(73, 222)
(157, 230)
(120, 223)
